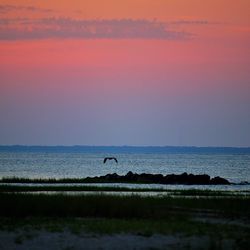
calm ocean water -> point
(70, 162)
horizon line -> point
(131, 146)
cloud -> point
(8, 8)
(195, 22)
(192, 22)
(15, 29)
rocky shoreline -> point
(184, 178)
(130, 177)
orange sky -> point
(236, 12)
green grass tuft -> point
(112, 206)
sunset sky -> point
(125, 72)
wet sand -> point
(36, 240)
(65, 237)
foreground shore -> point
(102, 233)
(64, 221)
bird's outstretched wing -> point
(110, 158)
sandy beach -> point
(26, 237)
(65, 240)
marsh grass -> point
(28, 214)
(112, 206)
(15, 188)
(15, 179)
(41, 180)
(190, 192)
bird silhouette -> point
(110, 158)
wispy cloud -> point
(192, 22)
(14, 29)
(8, 8)
(27, 27)
(44, 28)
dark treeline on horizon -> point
(126, 149)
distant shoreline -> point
(127, 149)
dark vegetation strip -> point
(191, 192)
(40, 180)
(15, 188)
(64, 180)
(111, 206)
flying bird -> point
(110, 158)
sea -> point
(83, 161)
